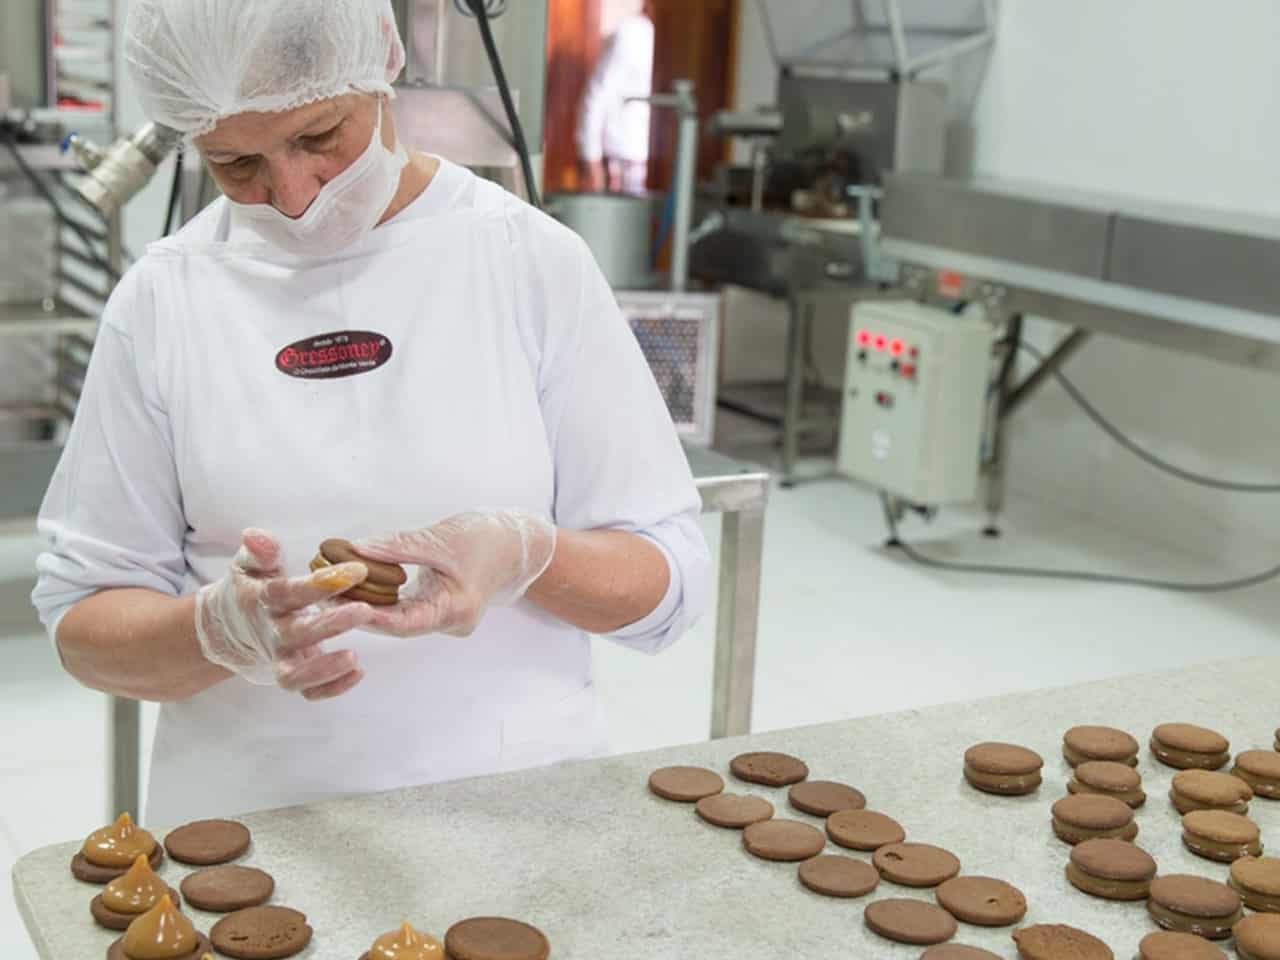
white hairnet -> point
(197, 61)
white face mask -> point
(345, 210)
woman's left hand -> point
(468, 562)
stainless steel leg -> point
(124, 748)
(798, 324)
(737, 619)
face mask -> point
(346, 209)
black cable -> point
(1119, 437)
(480, 9)
(175, 194)
(90, 250)
(1079, 575)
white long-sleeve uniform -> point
(487, 367)
(609, 125)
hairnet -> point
(197, 61)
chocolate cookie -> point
(227, 888)
(783, 840)
(770, 769)
(261, 933)
(915, 864)
(1109, 779)
(82, 869)
(207, 842)
(1057, 941)
(1002, 768)
(113, 920)
(1190, 904)
(823, 797)
(381, 587)
(984, 901)
(838, 876)
(910, 921)
(1186, 746)
(1081, 744)
(1086, 816)
(864, 829)
(1167, 945)
(958, 951)
(1111, 869)
(1219, 835)
(116, 950)
(495, 938)
(1205, 790)
(1257, 880)
(685, 784)
(734, 810)
(1260, 769)
(1258, 937)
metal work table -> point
(735, 490)
(606, 869)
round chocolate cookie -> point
(1080, 744)
(1190, 904)
(1004, 769)
(1260, 769)
(958, 951)
(495, 938)
(1205, 790)
(823, 797)
(1111, 869)
(838, 876)
(1085, 816)
(864, 829)
(984, 901)
(915, 864)
(1167, 945)
(1219, 835)
(1185, 746)
(112, 920)
(207, 842)
(1109, 779)
(382, 585)
(82, 869)
(783, 840)
(1257, 880)
(1258, 937)
(1057, 941)
(734, 810)
(685, 784)
(203, 946)
(261, 933)
(910, 921)
(770, 769)
(227, 888)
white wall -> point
(1163, 100)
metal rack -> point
(59, 275)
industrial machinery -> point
(914, 400)
(860, 92)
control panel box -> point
(915, 398)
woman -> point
(357, 339)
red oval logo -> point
(346, 353)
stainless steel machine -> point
(858, 95)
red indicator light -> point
(896, 347)
(915, 351)
(864, 338)
(908, 370)
(880, 341)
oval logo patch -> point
(332, 355)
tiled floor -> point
(846, 629)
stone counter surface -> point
(606, 869)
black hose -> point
(175, 195)
(480, 9)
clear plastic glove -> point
(468, 563)
(267, 627)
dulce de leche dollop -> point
(119, 844)
(137, 891)
(406, 944)
(162, 933)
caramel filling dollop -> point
(162, 933)
(137, 891)
(406, 944)
(119, 844)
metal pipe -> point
(1061, 354)
(124, 734)
(683, 182)
(737, 616)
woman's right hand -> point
(267, 627)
